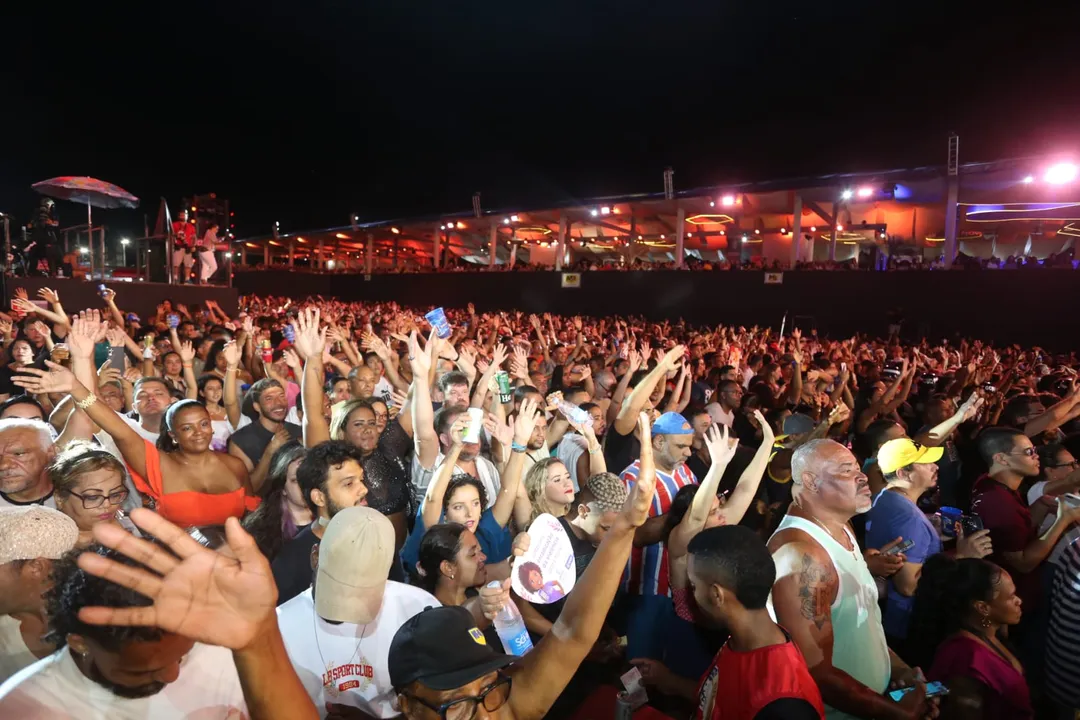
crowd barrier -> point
(1029, 307)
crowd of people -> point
(317, 509)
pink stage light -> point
(727, 200)
(865, 192)
(1061, 173)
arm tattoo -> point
(814, 591)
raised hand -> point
(419, 360)
(636, 510)
(525, 422)
(23, 305)
(767, 435)
(5, 327)
(57, 379)
(231, 351)
(498, 356)
(86, 330)
(673, 358)
(371, 342)
(48, 295)
(397, 402)
(501, 431)
(635, 359)
(186, 352)
(201, 594)
(720, 446)
(132, 375)
(20, 293)
(309, 341)
(115, 336)
(292, 359)
(107, 374)
(839, 414)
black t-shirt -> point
(254, 438)
(620, 451)
(583, 555)
(788, 709)
(6, 386)
(292, 567)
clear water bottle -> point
(511, 627)
(574, 414)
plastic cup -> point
(437, 318)
(476, 421)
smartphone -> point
(901, 548)
(1071, 499)
(971, 524)
(933, 690)
(173, 320)
(101, 289)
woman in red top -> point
(961, 608)
(190, 484)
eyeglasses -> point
(1071, 465)
(493, 697)
(92, 502)
(1029, 451)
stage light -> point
(506, 221)
(689, 234)
(124, 241)
(460, 225)
(783, 231)
(605, 211)
(865, 192)
(1028, 180)
(330, 264)
(513, 218)
(712, 204)
(639, 237)
(661, 237)
(846, 194)
(341, 236)
(84, 250)
(757, 232)
(1061, 173)
(813, 228)
(727, 200)
(228, 254)
(723, 232)
(744, 238)
(594, 212)
(839, 228)
(395, 231)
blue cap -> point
(671, 423)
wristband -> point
(518, 447)
(86, 401)
(593, 451)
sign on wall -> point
(774, 278)
(571, 280)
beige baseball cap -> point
(34, 531)
(355, 556)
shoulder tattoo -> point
(814, 591)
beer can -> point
(623, 709)
(503, 379)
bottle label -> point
(519, 643)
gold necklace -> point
(824, 527)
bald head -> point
(827, 478)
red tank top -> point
(739, 685)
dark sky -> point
(304, 112)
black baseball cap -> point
(443, 649)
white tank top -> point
(859, 645)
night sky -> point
(305, 112)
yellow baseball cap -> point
(902, 452)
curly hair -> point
(458, 481)
(74, 588)
(524, 569)
(947, 589)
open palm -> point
(218, 598)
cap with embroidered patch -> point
(671, 423)
(443, 650)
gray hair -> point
(807, 458)
(44, 431)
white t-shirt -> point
(110, 445)
(50, 502)
(55, 689)
(14, 655)
(223, 429)
(346, 663)
(571, 447)
(489, 475)
(719, 416)
(383, 389)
